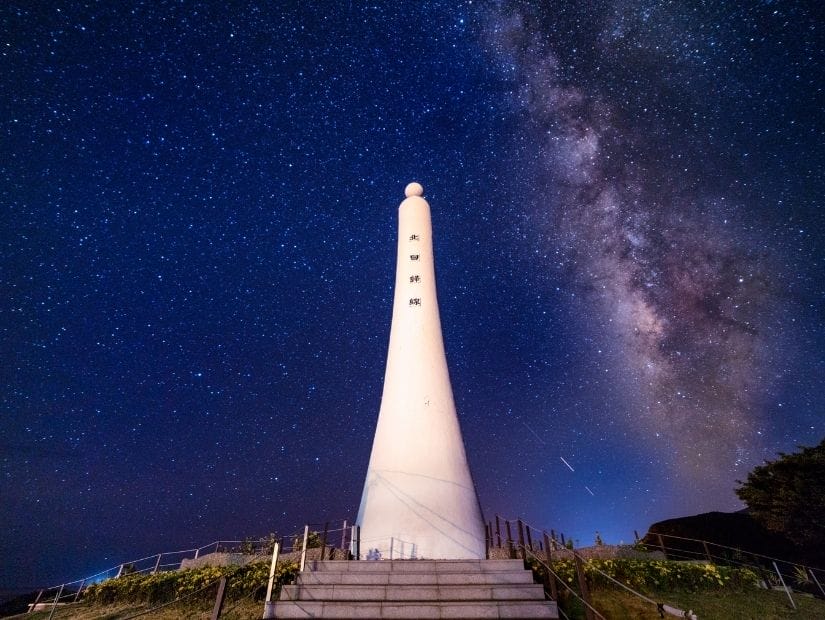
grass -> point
(709, 590)
(232, 610)
(154, 596)
(753, 604)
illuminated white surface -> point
(419, 499)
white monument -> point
(419, 500)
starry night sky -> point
(199, 223)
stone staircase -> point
(413, 589)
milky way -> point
(662, 257)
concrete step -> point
(416, 566)
(404, 578)
(413, 589)
(508, 592)
(455, 610)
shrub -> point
(648, 575)
(313, 541)
(249, 580)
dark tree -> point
(788, 495)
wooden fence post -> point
(216, 611)
(324, 540)
(585, 591)
(523, 550)
(551, 578)
(488, 536)
(662, 544)
(510, 550)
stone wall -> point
(602, 552)
(239, 559)
(218, 559)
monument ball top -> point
(414, 189)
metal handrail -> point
(561, 581)
(662, 607)
(734, 549)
